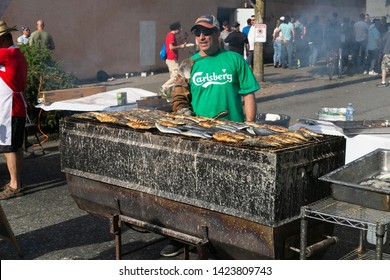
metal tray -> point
(364, 127)
(273, 119)
(348, 182)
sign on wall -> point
(261, 33)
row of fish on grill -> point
(249, 133)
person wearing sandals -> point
(13, 74)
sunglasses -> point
(205, 32)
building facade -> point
(378, 8)
(120, 36)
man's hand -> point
(186, 112)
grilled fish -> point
(136, 119)
(238, 126)
(206, 123)
(307, 133)
(230, 137)
(169, 122)
(85, 116)
(295, 135)
(280, 139)
(275, 128)
(226, 127)
(165, 129)
(106, 117)
(259, 131)
(257, 143)
(267, 140)
(196, 133)
(140, 125)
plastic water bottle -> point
(349, 112)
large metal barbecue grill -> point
(242, 202)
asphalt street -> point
(49, 226)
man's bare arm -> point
(250, 107)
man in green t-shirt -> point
(212, 81)
(219, 80)
(41, 37)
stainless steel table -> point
(350, 215)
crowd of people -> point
(301, 42)
(39, 36)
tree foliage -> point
(44, 73)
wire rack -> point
(366, 255)
(347, 214)
(350, 215)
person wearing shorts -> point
(13, 74)
(385, 68)
(386, 57)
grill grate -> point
(283, 146)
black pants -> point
(17, 135)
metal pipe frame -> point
(303, 235)
(380, 233)
(117, 220)
(312, 212)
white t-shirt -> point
(251, 38)
(22, 40)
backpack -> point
(163, 52)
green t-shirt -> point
(218, 83)
(43, 38)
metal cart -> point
(350, 215)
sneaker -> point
(365, 73)
(383, 84)
(9, 192)
(372, 73)
(173, 249)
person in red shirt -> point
(13, 107)
(172, 57)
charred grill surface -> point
(181, 182)
(263, 186)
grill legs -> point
(200, 243)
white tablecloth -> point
(356, 145)
(105, 101)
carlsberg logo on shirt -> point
(207, 79)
